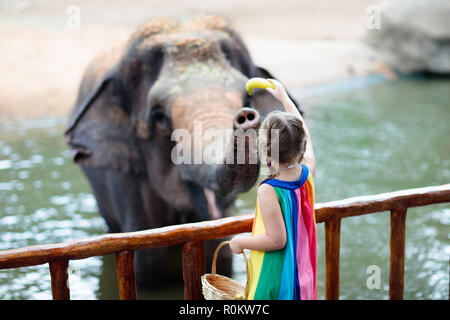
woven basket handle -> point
(213, 269)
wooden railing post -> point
(193, 269)
(332, 249)
(60, 279)
(125, 275)
(397, 257)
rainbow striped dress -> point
(289, 273)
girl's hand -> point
(279, 92)
(235, 245)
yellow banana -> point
(258, 83)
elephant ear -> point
(263, 100)
(100, 133)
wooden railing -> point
(194, 234)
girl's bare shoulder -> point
(266, 190)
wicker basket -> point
(217, 287)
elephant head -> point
(172, 74)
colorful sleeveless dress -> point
(289, 273)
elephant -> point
(169, 74)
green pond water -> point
(372, 139)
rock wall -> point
(413, 35)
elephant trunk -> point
(228, 163)
(219, 137)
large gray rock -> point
(413, 35)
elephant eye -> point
(158, 116)
(159, 120)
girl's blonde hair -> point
(286, 130)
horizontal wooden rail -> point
(213, 229)
(114, 242)
(389, 201)
(192, 236)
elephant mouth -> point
(206, 204)
(213, 210)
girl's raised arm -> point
(280, 93)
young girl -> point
(282, 261)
